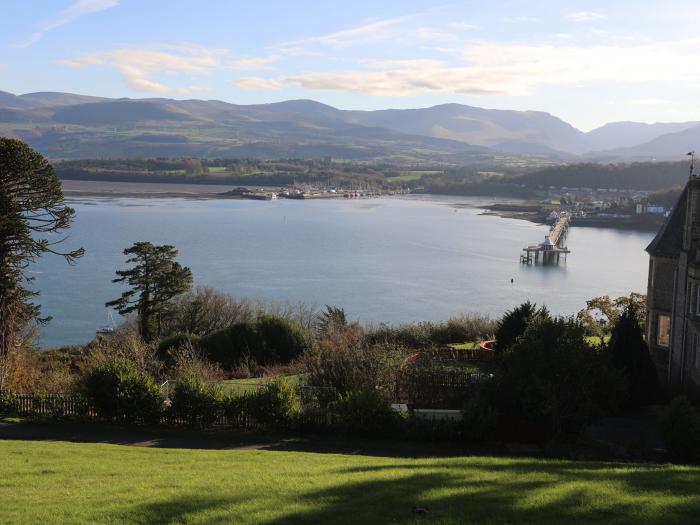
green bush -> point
(480, 418)
(168, 347)
(630, 355)
(120, 391)
(284, 340)
(681, 430)
(195, 402)
(425, 334)
(552, 378)
(514, 323)
(365, 412)
(269, 340)
(235, 407)
(275, 405)
(7, 403)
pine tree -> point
(630, 355)
(32, 207)
(154, 279)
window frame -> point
(659, 332)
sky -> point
(586, 62)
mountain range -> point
(66, 125)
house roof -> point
(669, 240)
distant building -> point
(673, 294)
(651, 208)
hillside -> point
(65, 125)
(668, 146)
(513, 131)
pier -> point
(553, 247)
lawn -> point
(57, 482)
(408, 176)
(470, 345)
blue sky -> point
(586, 62)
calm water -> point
(383, 260)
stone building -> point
(673, 294)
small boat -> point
(107, 329)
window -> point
(696, 350)
(663, 337)
(697, 300)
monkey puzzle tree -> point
(154, 279)
(32, 208)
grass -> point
(251, 384)
(56, 482)
(407, 176)
(469, 345)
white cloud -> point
(520, 19)
(144, 67)
(255, 63)
(139, 66)
(428, 34)
(650, 102)
(464, 26)
(584, 16)
(76, 10)
(259, 84)
(513, 70)
(367, 33)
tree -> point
(630, 355)
(32, 208)
(154, 279)
(553, 378)
(514, 323)
(330, 321)
(601, 313)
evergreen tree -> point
(514, 323)
(32, 208)
(154, 279)
(630, 355)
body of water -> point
(391, 259)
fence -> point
(54, 405)
(58, 406)
(445, 389)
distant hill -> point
(664, 147)
(66, 125)
(483, 127)
(616, 135)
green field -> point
(94, 483)
(470, 345)
(408, 176)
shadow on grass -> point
(182, 509)
(455, 493)
(529, 492)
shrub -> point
(283, 340)
(366, 412)
(681, 430)
(275, 405)
(346, 364)
(169, 346)
(233, 345)
(514, 323)
(422, 335)
(553, 378)
(7, 403)
(195, 402)
(235, 407)
(269, 340)
(630, 355)
(120, 391)
(480, 418)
